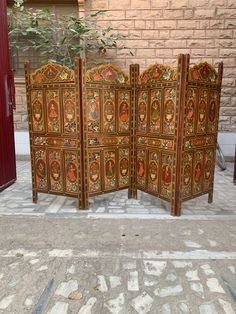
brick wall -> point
(158, 30)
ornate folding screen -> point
(99, 131)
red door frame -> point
(7, 101)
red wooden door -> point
(7, 149)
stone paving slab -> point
(17, 199)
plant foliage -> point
(58, 39)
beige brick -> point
(199, 34)
(228, 52)
(159, 4)
(230, 23)
(120, 5)
(170, 24)
(198, 52)
(136, 44)
(198, 3)
(140, 4)
(229, 82)
(172, 62)
(196, 43)
(212, 52)
(176, 4)
(140, 24)
(156, 43)
(149, 34)
(231, 3)
(228, 62)
(164, 34)
(134, 34)
(123, 24)
(225, 43)
(188, 13)
(188, 24)
(229, 72)
(181, 34)
(151, 14)
(145, 53)
(125, 53)
(164, 53)
(172, 43)
(216, 24)
(173, 14)
(226, 13)
(219, 33)
(149, 24)
(217, 2)
(141, 62)
(204, 24)
(176, 52)
(99, 5)
(204, 13)
(134, 14)
(113, 15)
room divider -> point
(100, 130)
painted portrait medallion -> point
(155, 111)
(197, 172)
(94, 171)
(41, 168)
(53, 110)
(169, 111)
(124, 166)
(124, 111)
(202, 111)
(212, 111)
(69, 111)
(156, 73)
(109, 74)
(109, 111)
(166, 174)
(55, 170)
(208, 170)
(110, 169)
(71, 172)
(190, 111)
(187, 174)
(93, 110)
(141, 167)
(153, 170)
(142, 111)
(37, 110)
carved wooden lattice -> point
(99, 131)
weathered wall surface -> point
(158, 30)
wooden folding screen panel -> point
(109, 129)
(54, 109)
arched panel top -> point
(52, 73)
(106, 73)
(158, 72)
(203, 72)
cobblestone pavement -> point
(95, 266)
(17, 199)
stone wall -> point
(158, 30)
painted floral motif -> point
(53, 111)
(123, 167)
(208, 169)
(106, 73)
(169, 111)
(37, 111)
(213, 112)
(110, 169)
(202, 111)
(71, 166)
(203, 72)
(158, 72)
(109, 113)
(68, 97)
(40, 169)
(141, 168)
(142, 111)
(55, 170)
(155, 111)
(198, 172)
(51, 73)
(153, 169)
(187, 175)
(93, 110)
(94, 171)
(124, 111)
(190, 109)
(166, 175)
